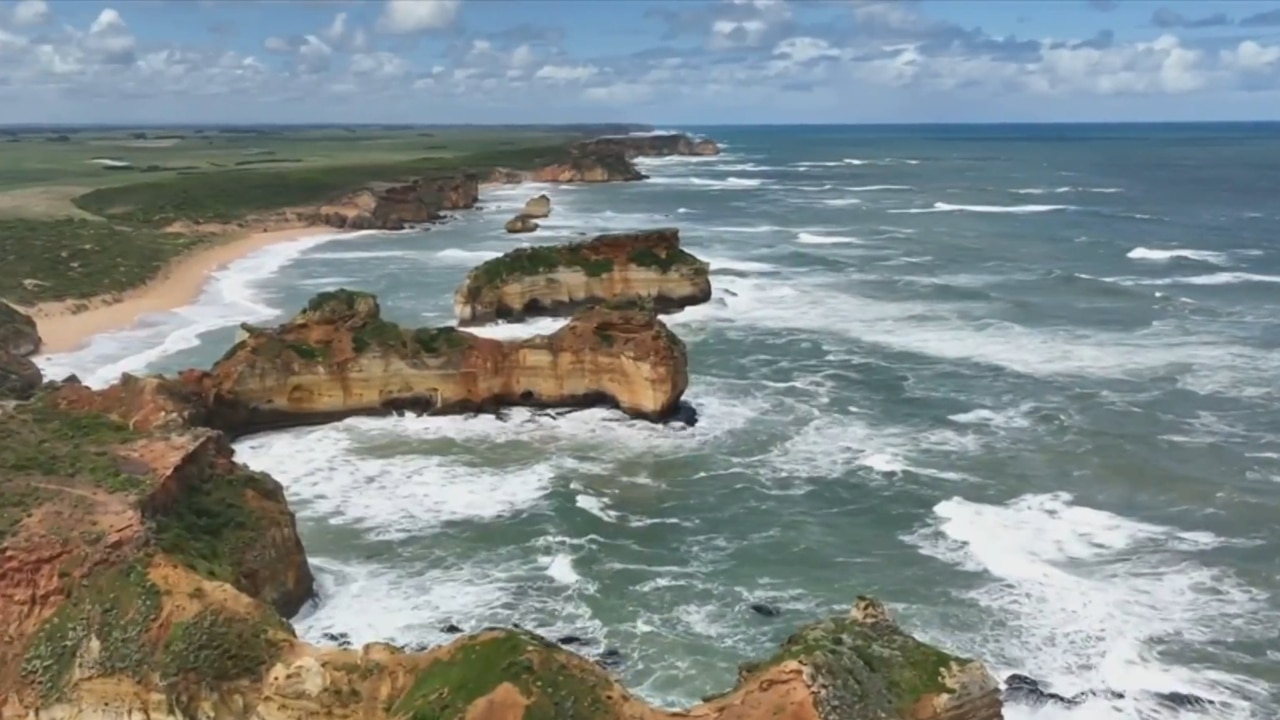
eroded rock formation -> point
(537, 207)
(585, 164)
(340, 358)
(144, 573)
(19, 376)
(633, 146)
(393, 206)
(520, 224)
(646, 267)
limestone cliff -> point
(633, 146)
(537, 207)
(646, 267)
(143, 573)
(340, 358)
(392, 206)
(19, 376)
(583, 164)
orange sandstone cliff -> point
(645, 267)
(144, 573)
(339, 358)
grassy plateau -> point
(84, 211)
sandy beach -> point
(63, 328)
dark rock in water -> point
(419, 646)
(765, 610)
(684, 413)
(728, 292)
(571, 640)
(341, 639)
(71, 379)
(450, 628)
(610, 658)
(1025, 690)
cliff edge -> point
(646, 267)
(650, 145)
(19, 376)
(147, 574)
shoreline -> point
(67, 325)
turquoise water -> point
(1020, 382)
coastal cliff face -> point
(392, 206)
(339, 358)
(146, 574)
(646, 267)
(582, 165)
(633, 146)
(19, 376)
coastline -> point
(65, 325)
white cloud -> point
(379, 64)
(912, 64)
(109, 38)
(409, 17)
(747, 23)
(31, 12)
(566, 73)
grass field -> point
(59, 185)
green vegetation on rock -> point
(216, 646)
(434, 341)
(867, 667)
(648, 257)
(212, 528)
(337, 302)
(117, 606)
(545, 674)
(41, 441)
(540, 260)
(72, 259)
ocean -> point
(1020, 382)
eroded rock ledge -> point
(646, 267)
(339, 357)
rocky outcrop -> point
(520, 224)
(646, 267)
(393, 206)
(144, 573)
(18, 334)
(586, 165)
(632, 146)
(19, 376)
(537, 207)
(340, 358)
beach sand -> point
(66, 325)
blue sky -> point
(664, 62)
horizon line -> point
(177, 124)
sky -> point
(664, 62)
